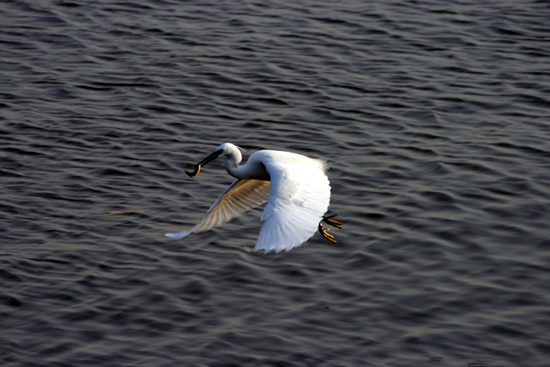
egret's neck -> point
(251, 169)
(232, 163)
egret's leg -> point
(324, 231)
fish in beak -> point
(204, 162)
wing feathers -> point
(242, 195)
(300, 195)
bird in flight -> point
(295, 187)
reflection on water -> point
(432, 117)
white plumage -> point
(295, 187)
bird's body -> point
(295, 187)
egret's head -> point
(228, 148)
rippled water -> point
(434, 118)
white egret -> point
(295, 187)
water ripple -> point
(432, 117)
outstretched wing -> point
(242, 195)
(300, 195)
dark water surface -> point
(434, 117)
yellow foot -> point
(325, 233)
(334, 223)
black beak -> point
(204, 162)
